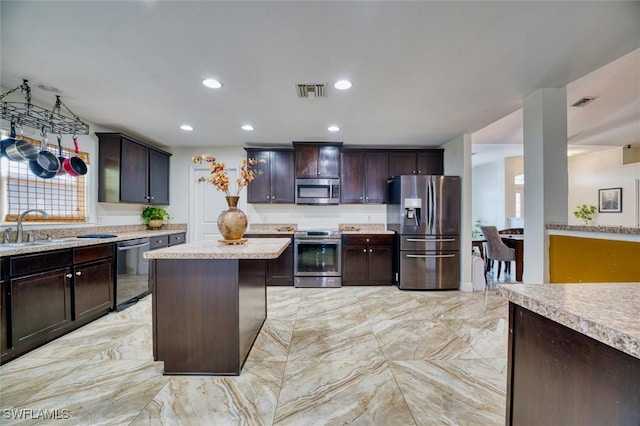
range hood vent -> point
(583, 102)
(319, 90)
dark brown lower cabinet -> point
(47, 294)
(367, 259)
(558, 376)
(279, 271)
(206, 313)
(40, 308)
(93, 278)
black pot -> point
(40, 171)
(46, 165)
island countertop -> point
(254, 248)
(607, 313)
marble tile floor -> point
(352, 355)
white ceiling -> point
(423, 72)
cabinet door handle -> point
(370, 250)
(365, 250)
(79, 273)
(151, 198)
(69, 276)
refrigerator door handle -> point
(431, 255)
(434, 205)
(430, 240)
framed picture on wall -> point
(610, 200)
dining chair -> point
(496, 249)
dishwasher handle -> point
(431, 240)
(431, 255)
(125, 248)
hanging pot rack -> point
(26, 114)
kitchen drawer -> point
(367, 239)
(33, 263)
(87, 254)
(158, 242)
(428, 242)
(175, 239)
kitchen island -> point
(209, 303)
(573, 354)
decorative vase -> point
(155, 223)
(232, 223)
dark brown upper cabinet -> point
(416, 162)
(275, 183)
(363, 177)
(130, 171)
(317, 159)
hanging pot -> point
(46, 165)
(6, 142)
(74, 166)
(21, 150)
(61, 159)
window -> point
(518, 183)
(63, 196)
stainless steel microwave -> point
(317, 191)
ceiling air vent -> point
(583, 102)
(306, 90)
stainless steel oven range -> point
(316, 258)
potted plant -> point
(154, 217)
(585, 212)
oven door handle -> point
(125, 248)
(318, 241)
(431, 255)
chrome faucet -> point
(19, 237)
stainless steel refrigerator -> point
(424, 210)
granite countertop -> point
(606, 312)
(595, 229)
(272, 228)
(254, 248)
(364, 228)
(70, 241)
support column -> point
(457, 162)
(545, 176)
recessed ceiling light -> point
(342, 85)
(333, 128)
(186, 127)
(212, 83)
(247, 127)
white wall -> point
(603, 169)
(488, 194)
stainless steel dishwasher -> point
(132, 280)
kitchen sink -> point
(8, 246)
(54, 241)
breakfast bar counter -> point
(209, 303)
(574, 353)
